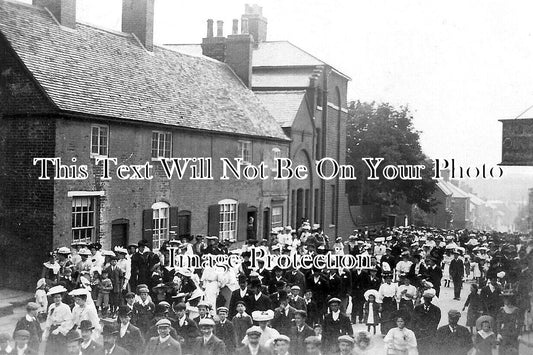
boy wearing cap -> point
(312, 345)
(282, 344)
(185, 327)
(144, 310)
(21, 338)
(334, 325)
(225, 330)
(241, 321)
(253, 334)
(117, 279)
(241, 294)
(30, 323)
(208, 343)
(346, 344)
(295, 300)
(163, 344)
(88, 345)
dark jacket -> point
(93, 349)
(283, 322)
(236, 297)
(296, 279)
(116, 277)
(133, 340)
(241, 325)
(313, 316)
(117, 351)
(298, 339)
(457, 269)
(143, 315)
(448, 343)
(264, 303)
(425, 323)
(214, 346)
(332, 329)
(189, 331)
(169, 347)
(245, 350)
(226, 333)
(35, 331)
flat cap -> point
(255, 330)
(346, 339)
(282, 337)
(454, 313)
(208, 322)
(163, 323)
(312, 340)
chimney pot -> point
(220, 28)
(257, 23)
(209, 28)
(244, 26)
(235, 28)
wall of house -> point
(127, 199)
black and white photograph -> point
(266, 177)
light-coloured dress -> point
(400, 342)
(211, 283)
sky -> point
(460, 66)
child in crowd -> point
(95, 284)
(105, 287)
(475, 307)
(317, 328)
(485, 339)
(144, 311)
(371, 310)
(41, 299)
(241, 321)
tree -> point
(383, 131)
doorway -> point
(266, 223)
(184, 224)
(251, 226)
(119, 232)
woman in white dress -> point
(211, 281)
(447, 259)
(400, 340)
(85, 311)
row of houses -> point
(78, 92)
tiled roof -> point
(281, 78)
(282, 54)
(450, 189)
(96, 72)
(283, 105)
(441, 184)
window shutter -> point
(173, 222)
(213, 218)
(242, 221)
(148, 222)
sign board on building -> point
(517, 142)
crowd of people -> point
(130, 300)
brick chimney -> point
(257, 24)
(214, 47)
(138, 18)
(235, 50)
(239, 49)
(63, 10)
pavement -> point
(445, 302)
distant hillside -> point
(512, 187)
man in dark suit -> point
(185, 327)
(253, 334)
(163, 344)
(319, 285)
(313, 316)
(30, 323)
(434, 274)
(457, 270)
(334, 325)
(116, 276)
(283, 315)
(208, 343)
(110, 335)
(258, 301)
(453, 339)
(241, 294)
(299, 332)
(417, 268)
(129, 337)
(142, 264)
(426, 318)
(88, 345)
(360, 283)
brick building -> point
(73, 91)
(307, 97)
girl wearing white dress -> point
(400, 340)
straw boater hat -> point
(429, 293)
(346, 339)
(262, 316)
(206, 322)
(255, 330)
(56, 290)
(482, 319)
(63, 250)
(281, 337)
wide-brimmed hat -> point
(63, 250)
(21, 333)
(41, 283)
(482, 319)
(374, 293)
(429, 293)
(56, 290)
